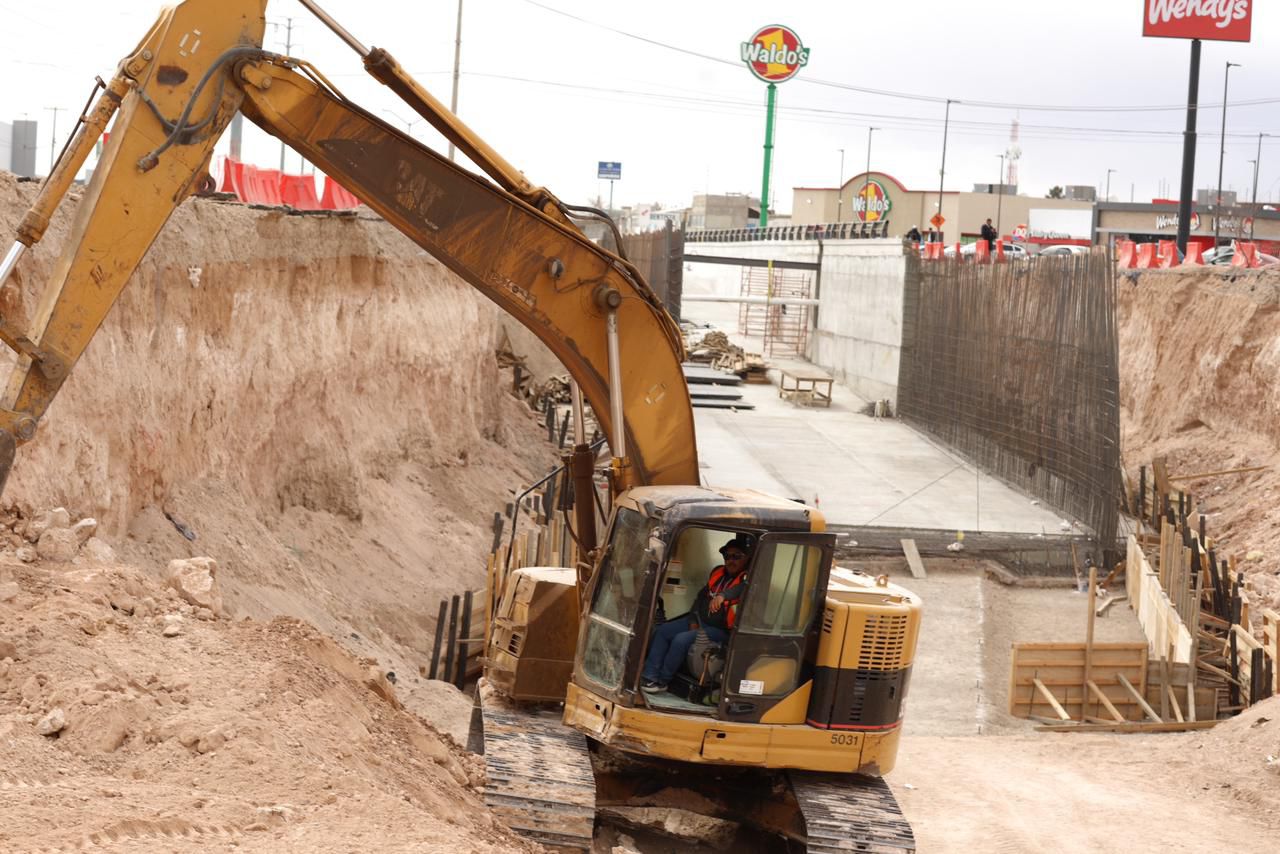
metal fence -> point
(1015, 367)
(658, 256)
(820, 231)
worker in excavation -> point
(714, 612)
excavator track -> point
(845, 812)
(539, 778)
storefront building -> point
(877, 197)
(1147, 223)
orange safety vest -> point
(719, 580)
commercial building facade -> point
(1146, 223)
(879, 197)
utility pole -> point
(1107, 197)
(942, 173)
(457, 59)
(1222, 153)
(840, 186)
(288, 49)
(866, 179)
(1189, 150)
(1000, 198)
(53, 134)
(1257, 166)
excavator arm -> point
(172, 98)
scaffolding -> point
(784, 328)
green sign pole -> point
(768, 157)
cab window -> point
(782, 600)
(612, 619)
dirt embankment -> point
(314, 402)
(1200, 383)
(131, 721)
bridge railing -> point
(816, 231)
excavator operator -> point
(714, 613)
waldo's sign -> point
(775, 54)
(873, 203)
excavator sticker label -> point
(775, 54)
(751, 686)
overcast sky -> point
(557, 85)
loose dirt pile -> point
(315, 404)
(128, 716)
(1200, 383)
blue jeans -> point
(669, 646)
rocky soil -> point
(1200, 383)
(311, 408)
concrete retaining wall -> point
(858, 334)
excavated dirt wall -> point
(315, 399)
(1200, 383)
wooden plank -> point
(1129, 727)
(1164, 688)
(1105, 606)
(913, 558)
(1106, 703)
(1088, 643)
(1053, 701)
(1173, 702)
(1220, 473)
(1133, 692)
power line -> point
(909, 96)
(853, 117)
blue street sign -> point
(609, 171)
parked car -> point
(1011, 250)
(1066, 249)
(1222, 256)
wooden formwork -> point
(1060, 668)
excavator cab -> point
(652, 570)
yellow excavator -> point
(791, 722)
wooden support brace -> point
(1138, 698)
(1052, 700)
(1173, 703)
(1106, 703)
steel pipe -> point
(337, 28)
(618, 437)
(11, 260)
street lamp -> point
(1222, 152)
(840, 186)
(1107, 197)
(866, 178)
(1257, 167)
(942, 172)
(1000, 198)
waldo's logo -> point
(775, 54)
(872, 203)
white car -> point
(1066, 249)
(1011, 250)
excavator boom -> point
(172, 98)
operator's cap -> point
(742, 544)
